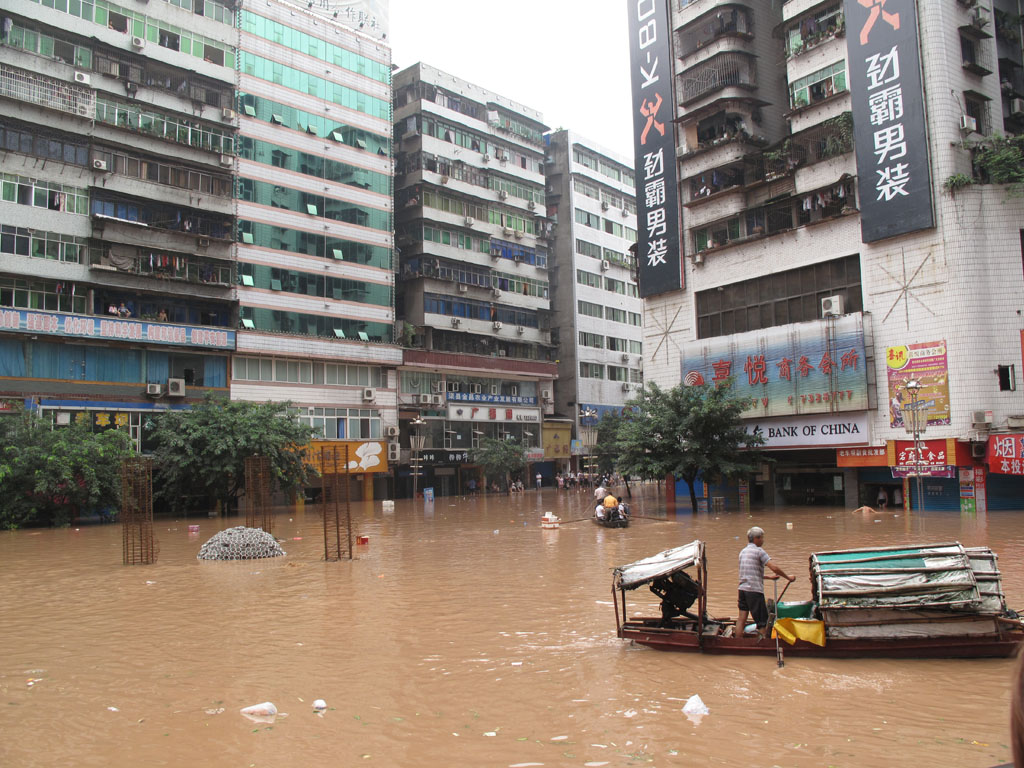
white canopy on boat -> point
(662, 564)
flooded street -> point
(461, 635)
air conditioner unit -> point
(519, 234)
(625, 386)
(463, 287)
(456, 322)
(394, 452)
(832, 306)
(138, 42)
(470, 221)
(391, 431)
(625, 213)
(502, 194)
(176, 387)
(227, 114)
(968, 123)
(131, 87)
(1017, 107)
(82, 77)
(424, 399)
(99, 165)
(369, 394)
(520, 330)
(507, 231)
(604, 205)
(154, 389)
(545, 395)
(486, 158)
(981, 419)
(698, 259)
(203, 242)
(1015, 422)
(605, 265)
(497, 325)
(444, 179)
(978, 450)
(625, 357)
(226, 160)
(437, 399)
(531, 205)
(496, 293)
(502, 353)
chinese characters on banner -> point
(925, 363)
(650, 54)
(886, 93)
(556, 441)
(787, 370)
(1006, 454)
(934, 460)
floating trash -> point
(240, 543)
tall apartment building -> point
(858, 288)
(116, 214)
(473, 279)
(314, 178)
(598, 315)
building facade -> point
(315, 228)
(846, 272)
(473, 282)
(116, 262)
(598, 314)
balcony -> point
(724, 70)
(43, 91)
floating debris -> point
(240, 543)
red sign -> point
(1006, 454)
(861, 457)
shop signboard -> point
(802, 368)
(926, 364)
(1006, 454)
(328, 456)
(870, 456)
(115, 329)
(483, 413)
(926, 458)
(815, 431)
(556, 441)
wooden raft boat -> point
(932, 601)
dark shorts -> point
(754, 604)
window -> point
(618, 373)
(590, 309)
(1007, 378)
(591, 371)
(595, 340)
(975, 107)
(588, 219)
(588, 249)
(588, 278)
(818, 85)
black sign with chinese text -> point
(894, 178)
(657, 211)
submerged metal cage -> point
(258, 491)
(138, 544)
(335, 502)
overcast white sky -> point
(567, 58)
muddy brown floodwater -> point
(462, 635)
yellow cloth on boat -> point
(792, 630)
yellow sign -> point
(329, 456)
(557, 438)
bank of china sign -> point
(803, 368)
(658, 246)
(893, 177)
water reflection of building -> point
(835, 214)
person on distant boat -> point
(753, 559)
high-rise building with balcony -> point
(116, 214)
(472, 236)
(597, 313)
(858, 276)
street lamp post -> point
(914, 387)
(587, 433)
(416, 442)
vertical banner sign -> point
(893, 176)
(658, 252)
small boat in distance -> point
(930, 601)
(612, 517)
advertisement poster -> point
(925, 363)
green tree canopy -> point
(688, 431)
(606, 447)
(499, 458)
(48, 474)
(199, 454)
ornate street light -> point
(913, 386)
(416, 442)
(588, 433)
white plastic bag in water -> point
(694, 706)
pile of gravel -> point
(240, 543)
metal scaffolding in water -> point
(139, 547)
(335, 502)
(258, 491)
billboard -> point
(887, 98)
(814, 367)
(659, 252)
(925, 363)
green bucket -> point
(802, 610)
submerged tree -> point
(499, 458)
(688, 431)
(48, 474)
(199, 454)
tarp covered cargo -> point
(662, 564)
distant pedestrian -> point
(539, 480)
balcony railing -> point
(22, 85)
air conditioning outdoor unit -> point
(131, 87)
(463, 287)
(82, 77)
(1015, 422)
(227, 114)
(545, 395)
(99, 165)
(531, 205)
(176, 387)
(978, 450)
(1017, 107)
(469, 222)
(154, 389)
(437, 399)
(502, 353)
(391, 431)
(226, 160)
(968, 123)
(506, 231)
(369, 394)
(394, 452)
(496, 293)
(832, 306)
(698, 259)
(519, 234)
(604, 205)
(497, 325)
(625, 357)
(486, 158)
(138, 42)
(605, 265)
(981, 419)
(456, 322)
(625, 213)
(444, 179)
(625, 386)
(424, 399)
(502, 194)
(520, 330)
(203, 242)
